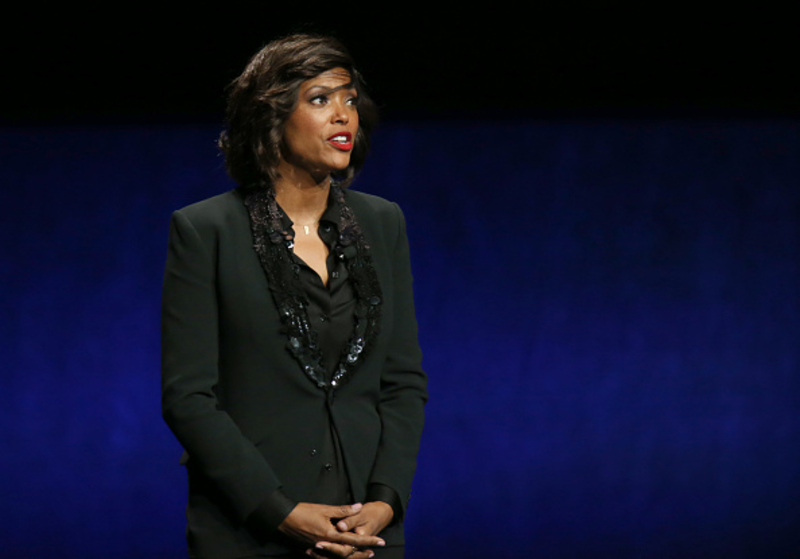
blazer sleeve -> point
(403, 382)
(189, 374)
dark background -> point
(591, 58)
(604, 216)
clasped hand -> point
(352, 535)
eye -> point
(353, 101)
(318, 100)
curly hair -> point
(261, 99)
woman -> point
(291, 372)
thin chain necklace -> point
(308, 225)
(306, 228)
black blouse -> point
(330, 312)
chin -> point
(340, 166)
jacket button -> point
(313, 452)
(328, 466)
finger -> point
(312, 553)
(339, 550)
(343, 511)
(345, 551)
(362, 530)
(347, 524)
(356, 540)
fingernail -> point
(357, 506)
(381, 542)
(318, 546)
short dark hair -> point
(261, 99)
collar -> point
(273, 245)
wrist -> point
(384, 493)
(272, 512)
(382, 511)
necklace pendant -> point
(306, 228)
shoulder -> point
(369, 207)
(381, 220)
(219, 219)
(214, 212)
(210, 208)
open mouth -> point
(343, 141)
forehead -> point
(330, 79)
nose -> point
(340, 114)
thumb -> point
(348, 523)
(345, 510)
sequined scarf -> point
(273, 244)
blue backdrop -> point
(608, 309)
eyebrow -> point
(329, 90)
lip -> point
(342, 141)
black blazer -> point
(239, 403)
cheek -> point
(299, 132)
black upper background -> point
(131, 63)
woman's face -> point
(319, 134)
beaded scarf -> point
(273, 244)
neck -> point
(302, 196)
